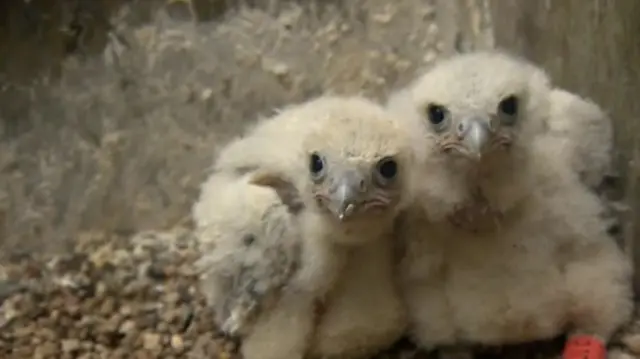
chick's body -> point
(335, 170)
(587, 133)
(364, 313)
(504, 243)
(533, 278)
(252, 256)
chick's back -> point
(250, 248)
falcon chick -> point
(295, 223)
(503, 244)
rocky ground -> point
(117, 140)
(136, 297)
(110, 297)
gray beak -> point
(345, 194)
(474, 133)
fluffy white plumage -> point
(587, 131)
(253, 248)
(505, 244)
(318, 187)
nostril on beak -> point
(361, 186)
(461, 129)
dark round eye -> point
(436, 114)
(509, 106)
(387, 169)
(316, 164)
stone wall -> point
(111, 112)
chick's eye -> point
(509, 106)
(436, 114)
(387, 169)
(316, 164)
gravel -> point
(111, 297)
(115, 296)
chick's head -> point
(481, 109)
(362, 178)
(354, 165)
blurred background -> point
(111, 111)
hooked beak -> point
(474, 134)
(344, 196)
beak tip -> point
(346, 212)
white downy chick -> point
(505, 244)
(337, 173)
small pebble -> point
(151, 341)
(177, 343)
